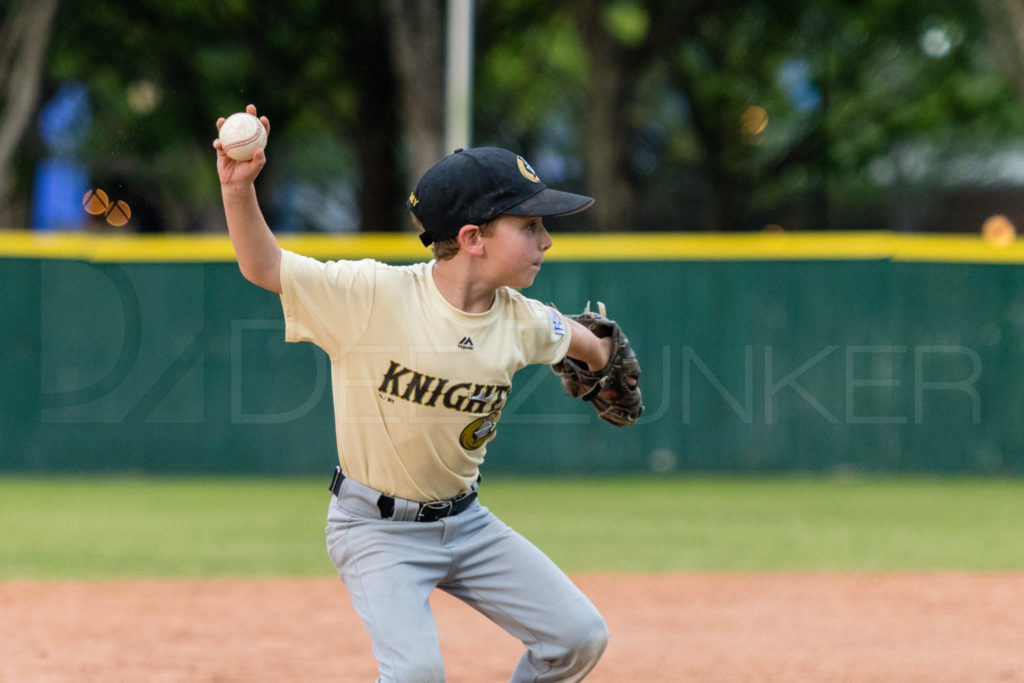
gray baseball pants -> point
(390, 568)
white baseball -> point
(241, 135)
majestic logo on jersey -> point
(527, 170)
(466, 344)
(467, 397)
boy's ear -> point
(471, 239)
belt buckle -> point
(439, 509)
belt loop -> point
(386, 505)
(405, 510)
(336, 480)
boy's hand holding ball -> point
(241, 135)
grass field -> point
(107, 528)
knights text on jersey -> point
(418, 385)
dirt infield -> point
(665, 628)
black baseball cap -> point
(473, 186)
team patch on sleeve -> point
(556, 322)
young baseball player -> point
(422, 359)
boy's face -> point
(515, 249)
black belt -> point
(427, 512)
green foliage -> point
(160, 72)
(96, 528)
(628, 21)
(528, 77)
(879, 89)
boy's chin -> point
(525, 282)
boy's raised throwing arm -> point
(259, 256)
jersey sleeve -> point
(546, 333)
(326, 303)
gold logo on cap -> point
(527, 172)
(413, 200)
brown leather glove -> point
(613, 390)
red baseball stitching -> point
(246, 141)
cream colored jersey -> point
(418, 384)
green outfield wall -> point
(846, 352)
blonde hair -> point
(446, 249)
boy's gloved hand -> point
(613, 390)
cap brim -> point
(550, 202)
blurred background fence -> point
(761, 353)
(794, 346)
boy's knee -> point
(415, 672)
(591, 639)
(416, 663)
(569, 652)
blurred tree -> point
(675, 114)
(1004, 20)
(24, 37)
(417, 46)
(161, 71)
(716, 114)
(366, 62)
(909, 95)
(784, 103)
(531, 82)
(623, 41)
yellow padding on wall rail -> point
(638, 246)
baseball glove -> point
(613, 390)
